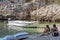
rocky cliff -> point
(48, 12)
(34, 9)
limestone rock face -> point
(38, 9)
(25, 4)
(49, 12)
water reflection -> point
(5, 24)
(5, 31)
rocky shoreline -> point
(47, 37)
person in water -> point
(55, 31)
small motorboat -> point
(20, 23)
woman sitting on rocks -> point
(47, 29)
(55, 31)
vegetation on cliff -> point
(31, 9)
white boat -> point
(20, 23)
(17, 24)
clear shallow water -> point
(5, 31)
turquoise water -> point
(4, 31)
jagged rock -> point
(37, 9)
(49, 12)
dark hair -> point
(48, 27)
(54, 25)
